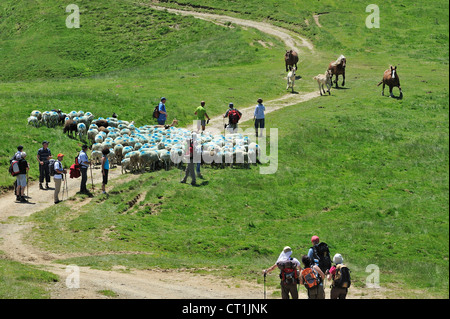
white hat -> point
(337, 259)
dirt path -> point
(150, 283)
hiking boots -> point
(46, 186)
(40, 186)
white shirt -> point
(58, 166)
(83, 158)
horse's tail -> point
(380, 83)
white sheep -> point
(148, 158)
(96, 156)
(81, 130)
(33, 121)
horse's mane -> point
(338, 61)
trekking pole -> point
(92, 179)
(65, 184)
(265, 274)
(27, 184)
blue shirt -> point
(106, 166)
(259, 111)
(162, 107)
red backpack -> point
(310, 278)
(288, 274)
(234, 116)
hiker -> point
(162, 112)
(84, 163)
(258, 117)
(21, 180)
(43, 156)
(319, 254)
(312, 278)
(233, 117)
(17, 154)
(201, 113)
(105, 168)
(58, 177)
(190, 168)
(16, 157)
(340, 277)
(289, 268)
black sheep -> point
(69, 127)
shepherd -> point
(391, 79)
(290, 59)
(338, 68)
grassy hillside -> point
(368, 174)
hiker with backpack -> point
(340, 278)
(21, 181)
(43, 156)
(84, 163)
(312, 278)
(13, 162)
(289, 273)
(161, 112)
(57, 173)
(234, 116)
(319, 254)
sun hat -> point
(314, 238)
(163, 98)
(337, 259)
(23, 154)
(60, 155)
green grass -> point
(367, 173)
(19, 281)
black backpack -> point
(156, 112)
(322, 254)
(288, 272)
(342, 277)
(51, 167)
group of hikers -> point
(317, 268)
(49, 167)
(202, 118)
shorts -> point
(105, 177)
(22, 180)
(259, 123)
(200, 123)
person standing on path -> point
(258, 117)
(58, 177)
(234, 116)
(162, 112)
(317, 291)
(336, 291)
(289, 273)
(43, 156)
(84, 162)
(190, 168)
(201, 114)
(105, 168)
(21, 180)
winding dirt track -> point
(137, 284)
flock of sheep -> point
(150, 146)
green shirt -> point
(200, 113)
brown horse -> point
(391, 79)
(338, 68)
(290, 59)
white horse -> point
(324, 79)
(291, 79)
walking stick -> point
(265, 274)
(92, 179)
(27, 185)
(67, 187)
